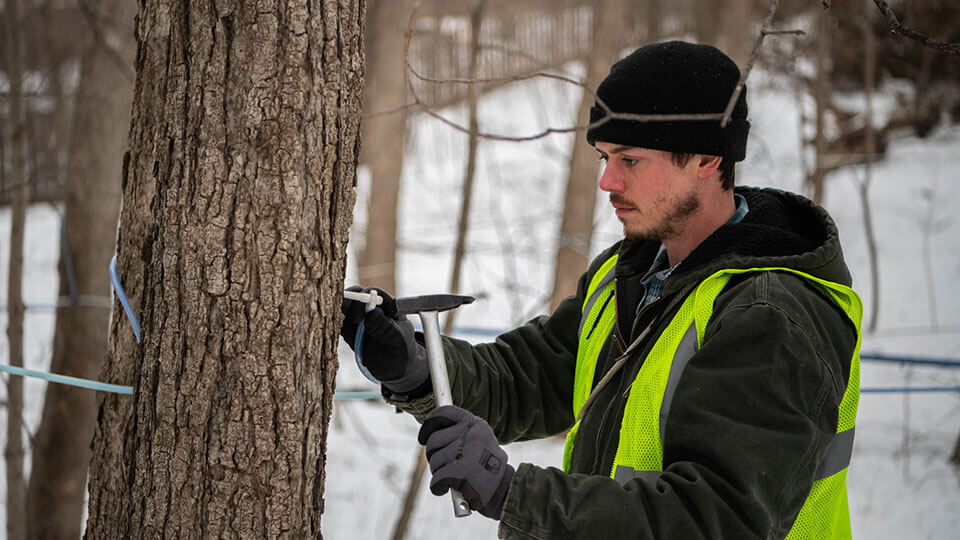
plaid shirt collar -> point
(658, 273)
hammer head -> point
(410, 305)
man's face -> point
(650, 194)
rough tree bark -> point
(61, 449)
(383, 139)
(13, 449)
(576, 228)
(238, 190)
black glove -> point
(464, 455)
(390, 350)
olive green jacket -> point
(752, 415)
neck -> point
(713, 212)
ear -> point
(707, 166)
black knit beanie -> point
(673, 78)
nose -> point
(610, 181)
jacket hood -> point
(781, 229)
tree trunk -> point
(869, 75)
(819, 172)
(61, 450)
(705, 21)
(576, 228)
(470, 168)
(460, 250)
(956, 453)
(237, 197)
(383, 139)
(13, 450)
(653, 20)
(738, 20)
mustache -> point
(620, 201)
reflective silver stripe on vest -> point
(685, 351)
(597, 294)
(838, 455)
(624, 474)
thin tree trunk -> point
(383, 139)
(956, 453)
(820, 96)
(473, 95)
(928, 227)
(13, 450)
(410, 498)
(576, 228)
(738, 19)
(61, 451)
(654, 20)
(705, 21)
(238, 189)
(869, 75)
(470, 170)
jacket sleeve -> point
(751, 419)
(522, 383)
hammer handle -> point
(441, 385)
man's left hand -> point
(464, 455)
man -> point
(706, 367)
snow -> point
(901, 482)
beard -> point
(670, 225)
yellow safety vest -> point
(825, 513)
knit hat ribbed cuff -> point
(699, 137)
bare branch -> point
(780, 32)
(609, 115)
(896, 27)
(394, 110)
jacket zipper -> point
(633, 329)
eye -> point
(630, 162)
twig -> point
(394, 110)
(896, 27)
(780, 32)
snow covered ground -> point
(901, 482)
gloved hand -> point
(464, 455)
(390, 351)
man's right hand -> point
(390, 350)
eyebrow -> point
(616, 149)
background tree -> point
(576, 228)
(384, 130)
(13, 448)
(237, 197)
(61, 448)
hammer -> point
(428, 308)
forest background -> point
(460, 189)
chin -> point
(651, 232)
(638, 235)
